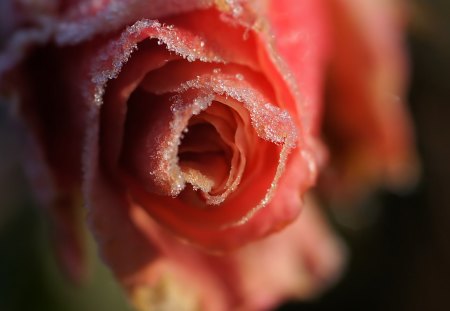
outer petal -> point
(298, 262)
(85, 19)
(365, 123)
(302, 38)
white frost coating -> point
(270, 122)
(109, 62)
(168, 156)
(91, 18)
(182, 113)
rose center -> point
(203, 156)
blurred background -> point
(399, 243)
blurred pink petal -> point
(298, 262)
(366, 124)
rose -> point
(250, 151)
(223, 111)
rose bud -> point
(192, 132)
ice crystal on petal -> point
(111, 58)
(270, 122)
(168, 159)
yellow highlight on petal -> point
(166, 295)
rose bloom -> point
(193, 131)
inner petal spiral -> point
(203, 157)
(203, 153)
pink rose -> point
(193, 128)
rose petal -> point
(302, 39)
(84, 19)
(248, 279)
(366, 124)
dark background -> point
(399, 243)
